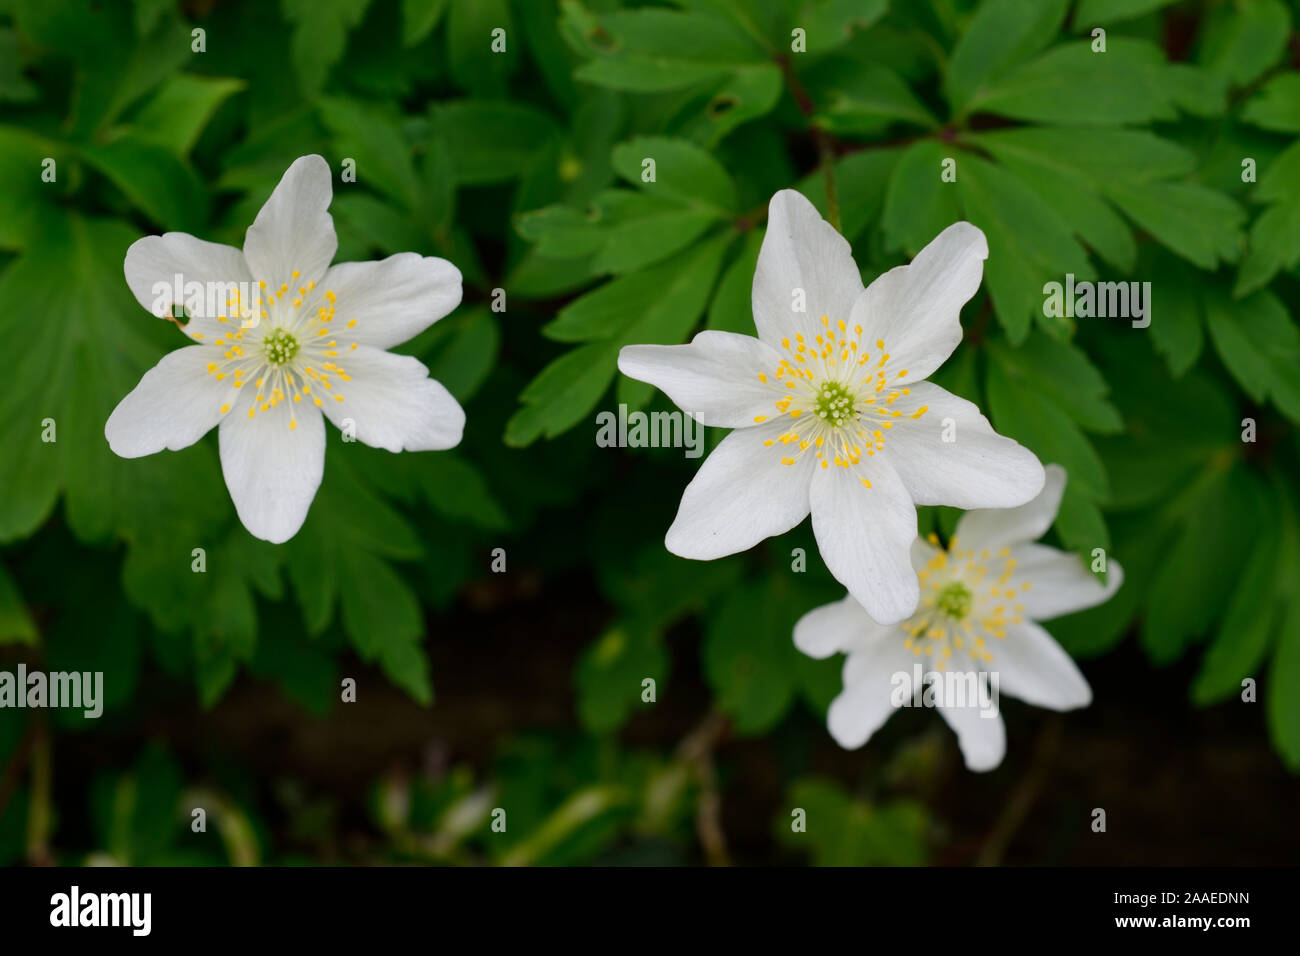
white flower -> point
(981, 598)
(289, 337)
(831, 411)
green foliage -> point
(842, 831)
(607, 174)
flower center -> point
(292, 349)
(835, 404)
(967, 597)
(954, 601)
(847, 393)
(280, 346)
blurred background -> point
(507, 136)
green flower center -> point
(280, 347)
(835, 404)
(954, 600)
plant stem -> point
(697, 749)
(1024, 796)
(38, 804)
(825, 147)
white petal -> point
(978, 469)
(272, 471)
(867, 699)
(839, 626)
(394, 299)
(294, 230)
(916, 309)
(176, 403)
(715, 377)
(983, 739)
(741, 495)
(995, 528)
(865, 536)
(393, 404)
(153, 264)
(1032, 666)
(1059, 581)
(801, 251)
(922, 553)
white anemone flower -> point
(282, 337)
(982, 597)
(831, 411)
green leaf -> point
(1029, 245)
(1061, 373)
(419, 17)
(320, 34)
(1243, 40)
(609, 676)
(744, 94)
(16, 624)
(651, 50)
(457, 489)
(180, 109)
(639, 242)
(841, 831)
(26, 199)
(1102, 13)
(1275, 238)
(75, 367)
(460, 350)
(657, 305)
(491, 142)
(1002, 34)
(750, 658)
(1260, 346)
(862, 179)
(385, 622)
(1080, 523)
(623, 231)
(1220, 518)
(1284, 707)
(320, 557)
(856, 97)
(365, 133)
(1072, 84)
(682, 171)
(1239, 646)
(1070, 167)
(475, 65)
(829, 24)
(1177, 322)
(14, 87)
(1201, 225)
(564, 392)
(918, 204)
(1096, 156)
(732, 308)
(1276, 105)
(154, 179)
(1020, 413)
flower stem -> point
(38, 802)
(825, 148)
(697, 750)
